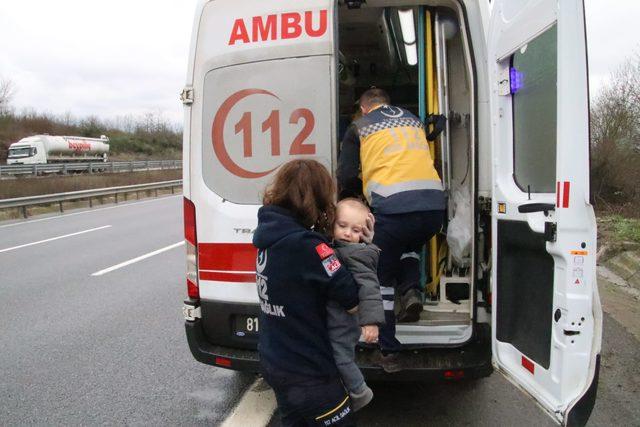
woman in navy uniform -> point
(297, 273)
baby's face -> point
(350, 221)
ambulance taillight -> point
(191, 241)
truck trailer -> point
(40, 149)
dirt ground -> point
(621, 302)
(620, 298)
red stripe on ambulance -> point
(565, 195)
(291, 26)
(528, 364)
(563, 191)
(225, 276)
(228, 257)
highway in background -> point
(92, 333)
(32, 170)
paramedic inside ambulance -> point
(385, 157)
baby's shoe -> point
(361, 399)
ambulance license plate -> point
(246, 326)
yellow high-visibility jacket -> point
(397, 171)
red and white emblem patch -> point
(324, 250)
(331, 265)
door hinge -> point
(484, 205)
(191, 312)
(186, 96)
(504, 82)
(354, 4)
(550, 231)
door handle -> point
(537, 207)
(550, 231)
(439, 122)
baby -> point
(352, 234)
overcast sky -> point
(118, 57)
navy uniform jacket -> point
(297, 273)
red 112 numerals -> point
(272, 124)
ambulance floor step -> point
(472, 360)
(437, 318)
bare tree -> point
(615, 114)
(7, 90)
(615, 138)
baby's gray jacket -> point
(361, 259)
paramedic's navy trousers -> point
(304, 402)
(400, 238)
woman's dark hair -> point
(305, 188)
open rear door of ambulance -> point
(547, 319)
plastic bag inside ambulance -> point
(458, 232)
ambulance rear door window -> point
(533, 76)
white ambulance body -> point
(40, 149)
(516, 289)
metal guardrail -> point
(90, 167)
(24, 202)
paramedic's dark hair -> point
(374, 96)
(305, 188)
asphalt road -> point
(78, 349)
(84, 350)
(493, 401)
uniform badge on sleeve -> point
(324, 251)
(331, 264)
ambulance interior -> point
(420, 55)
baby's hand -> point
(367, 231)
(370, 333)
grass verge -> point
(23, 187)
(617, 234)
(616, 228)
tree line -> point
(615, 141)
(150, 136)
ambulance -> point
(510, 282)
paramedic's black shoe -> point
(412, 307)
(389, 363)
(362, 399)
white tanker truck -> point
(58, 149)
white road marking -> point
(255, 408)
(121, 205)
(134, 260)
(54, 238)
